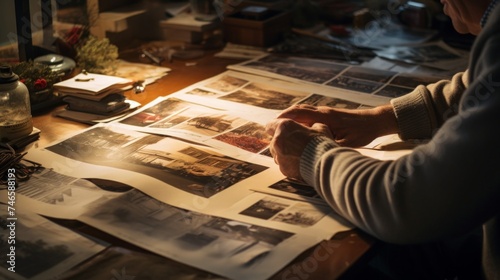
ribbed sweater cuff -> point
(412, 116)
(312, 152)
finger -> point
(304, 114)
(271, 126)
(322, 128)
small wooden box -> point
(260, 32)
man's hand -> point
(353, 128)
(289, 140)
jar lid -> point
(6, 75)
(57, 63)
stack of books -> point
(94, 94)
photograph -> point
(291, 187)
(34, 254)
(156, 113)
(417, 54)
(202, 92)
(311, 70)
(210, 124)
(354, 84)
(393, 91)
(321, 100)
(251, 137)
(171, 121)
(413, 80)
(227, 84)
(51, 187)
(181, 234)
(264, 96)
(286, 211)
(302, 214)
(365, 73)
(265, 208)
(184, 166)
(42, 248)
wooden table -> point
(328, 260)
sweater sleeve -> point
(421, 112)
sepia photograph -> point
(251, 137)
(202, 92)
(171, 121)
(210, 124)
(264, 96)
(302, 214)
(227, 84)
(156, 113)
(321, 100)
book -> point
(92, 86)
(121, 107)
(107, 105)
(21, 142)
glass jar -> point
(15, 109)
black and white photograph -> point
(42, 248)
(286, 211)
(51, 187)
(321, 100)
(205, 241)
(393, 91)
(311, 70)
(265, 208)
(354, 84)
(187, 167)
(365, 73)
(417, 54)
(291, 187)
(412, 81)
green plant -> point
(35, 76)
(96, 55)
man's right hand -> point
(352, 128)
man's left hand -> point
(289, 141)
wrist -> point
(384, 119)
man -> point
(444, 188)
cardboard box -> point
(184, 27)
(259, 32)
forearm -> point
(408, 200)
